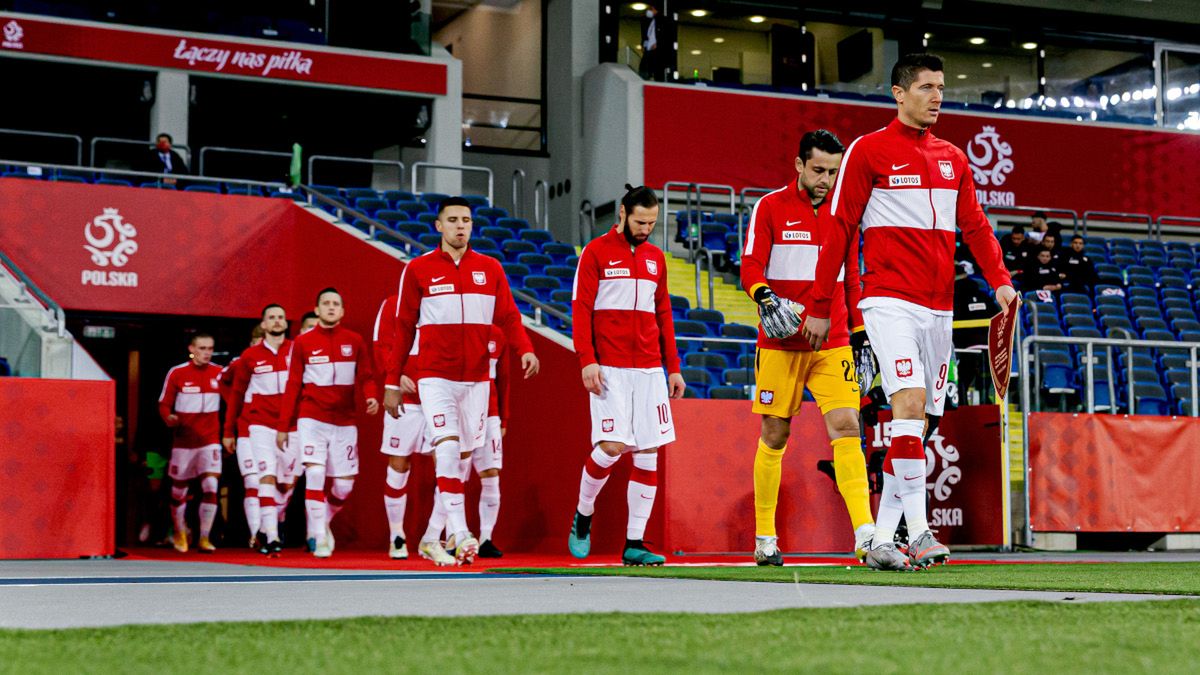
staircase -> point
(727, 298)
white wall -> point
(501, 49)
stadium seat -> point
(413, 209)
(536, 236)
(1182, 395)
(1181, 313)
(328, 190)
(158, 184)
(727, 393)
(739, 330)
(562, 295)
(745, 360)
(497, 233)
(561, 272)
(688, 328)
(394, 196)
(536, 261)
(114, 182)
(357, 193)
(1144, 324)
(1159, 335)
(542, 285)
(476, 201)
(516, 272)
(711, 317)
(430, 218)
(1058, 372)
(232, 189)
(495, 255)
(515, 247)
(515, 224)
(492, 213)
(390, 216)
(1082, 321)
(690, 393)
(558, 251)
(431, 240)
(713, 362)
(483, 244)
(1175, 300)
(1176, 360)
(370, 205)
(553, 321)
(411, 228)
(294, 196)
(572, 261)
(210, 189)
(433, 199)
(1118, 324)
(697, 378)
(1150, 399)
(1182, 325)
(679, 306)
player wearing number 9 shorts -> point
(910, 192)
(787, 229)
(624, 335)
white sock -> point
(910, 476)
(395, 501)
(314, 501)
(437, 519)
(208, 504)
(270, 512)
(643, 486)
(596, 470)
(339, 492)
(489, 506)
(450, 484)
(179, 491)
(250, 503)
(890, 510)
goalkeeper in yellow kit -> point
(778, 268)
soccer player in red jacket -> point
(257, 393)
(455, 295)
(910, 191)
(624, 335)
(237, 436)
(330, 369)
(190, 404)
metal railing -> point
(148, 145)
(1048, 210)
(518, 193)
(491, 179)
(1174, 220)
(49, 134)
(1089, 345)
(158, 177)
(695, 236)
(352, 160)
(707, 256)
(1123, 217)
(687, 207)
(237, 151)
(373, 228)
(56, 317)
(541, 204)
(743, 215)
(587, 221)
(541, 310)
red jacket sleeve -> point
(240, 373)
(382, 337)
(666, 323)
(977, 232)
(408, 309)
(508, 317)
(503, 375)
(365, 372)
(850, 196)
(853, 286)
(290, 404)
(759, 239)
(583, 301)
(166, 400)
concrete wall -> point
(500, 48)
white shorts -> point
(258, 454)
(634, 409)
(405, 435)
(332, 446)
(188, 463)
(913, 347)
(454, 409)
(491, 455)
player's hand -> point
(503, 432)
(372, 406)
(676, 385)
(816, 331)
(281, 440)
(407, 386)
(529, 361)
(393, 402)
(780, 317)
(228, 442)
(593, 380)
(172, 420)
(1006, 296)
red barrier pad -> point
(1113, 473)
(58, 467)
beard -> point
(631, 238)
(277, 333)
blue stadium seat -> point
(516, 272)
(413, 209)
(727, 393)
(712, 236)
(697, 378)
(391, 216)
(543, 285)
(558, 251)
(328, 190)
(394, 196)
(62, 178)
(514, 224)
(492, 213)
(679, 307)
(427, 218)
(210, 189)
(114, 182)
(1114, 325)
(1144, 324)
(433, 199)
(370, 205)
(1150, 399)
(536, 236)
(561, 272)
(294, 196)
(483, 244)
(497, 233)
(1081, 321)
(1185, 325)
(738, 330)
(1058, 372)
(1182, 395)
(494, 255)
(236, 189)
(1176, 300)
(357, 193)
(535, 261)
(572, 261)
(561, 295)
(431, 240)
(476, 201)
(515, 247)
(689, 328)
(158, 184)
(711, 318)
(411, 228)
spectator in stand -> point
(1016, 249)
(163, 159)
(1050, 243)
(653, 45)
(1037, 227)
(1076, 268)
(1042, 275)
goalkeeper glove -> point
(780, 317)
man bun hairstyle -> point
(820, 139)
(638, 196)
(905, 72)
(452, 201)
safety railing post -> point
(587, 221)
(518, 194)
(1137, 217)
(541, 205)
(353, 160)
(743, 217)
(50, 134)
(1090, 378)
(237, 151)
(464, 169)
(1049, 210)
(1194, 366)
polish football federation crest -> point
(652, 267)
(947, 169)
(347, 350)
(766, 396)
(904, 368)
(110, 239)
(479, 277)
(395, 442)
(606, 425)
(439, 421)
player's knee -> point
(841, 423)
(399, 464)
(612, 449)
(489, 473)
(250, 481)
(267, 480)
(909, 404)
(775, 431)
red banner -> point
(1113, 473)
(745, 139)
(58, 464)
(204, 54)
(710, 494)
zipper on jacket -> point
(462, 319)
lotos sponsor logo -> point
(441, 288)
(616, 272)
(910, 180)
(796, 235)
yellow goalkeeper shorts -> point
(781, 377)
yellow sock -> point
(850, 467)
(767, 472)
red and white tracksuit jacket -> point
(225, 382)
(500, 366)
(909, 190)
(328, 366)
(192, 393)
(455, 306)
(259, 383)
(384, 340)
(783, 243)
(621, 309)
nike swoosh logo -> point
(614, 262)
(895, 496)
(456, 504)
(793, 222)
(664, 432)
(937, 400)
(437, 279)
(897, 167)
(908, 477)
(317, 351)
(645, 497)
